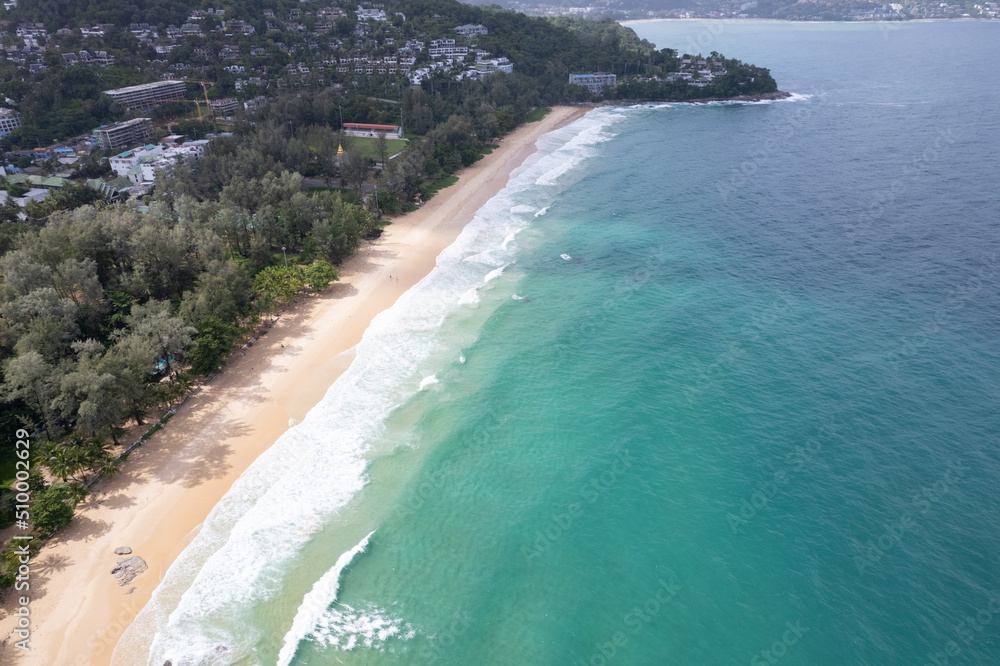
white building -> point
(10, 120)
(469, 30)
(495, 65)
(446, 48)
(140, 165)
(148, 95)
(371, 14)
(255, 103)
(595, 82)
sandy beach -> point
(170, 484)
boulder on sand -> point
(128, 568)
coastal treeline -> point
(105, 310)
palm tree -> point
(75, 492)
(175, 390)
(110, 465)
(63, 461)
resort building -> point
(36, 182)
(148, 95)
(595, 83)
(491, 65)
(366, 129)
(124, 134)
(469, 30)
(141, 164)
(10, 120)
(111, 189)
(365, 14)
(446, 48)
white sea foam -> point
(657, 105)
(495, 273)
(793, 97)
(582, 147)
(543, 211)
(797, 97)
(461, 358)
(315, 603)
(516, 297)
(345, 628)
(509, 239)
(566, 257)
(428, 381)
(470, 297)
(203, 612)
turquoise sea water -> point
(706, 385)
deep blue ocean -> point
(707, 384)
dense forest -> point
(56, 15)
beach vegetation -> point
(76, 458)
(319, 274)
(430, 189)
(212, 345)
(53, 507)
(386, 201)
(346, 195)
(10, 559)
(537, 114)
(276, 285)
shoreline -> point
(763, 97)
(171, 483)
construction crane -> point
(197, 103)
(204, 91)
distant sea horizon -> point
(705, 384)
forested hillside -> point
(74, 13)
